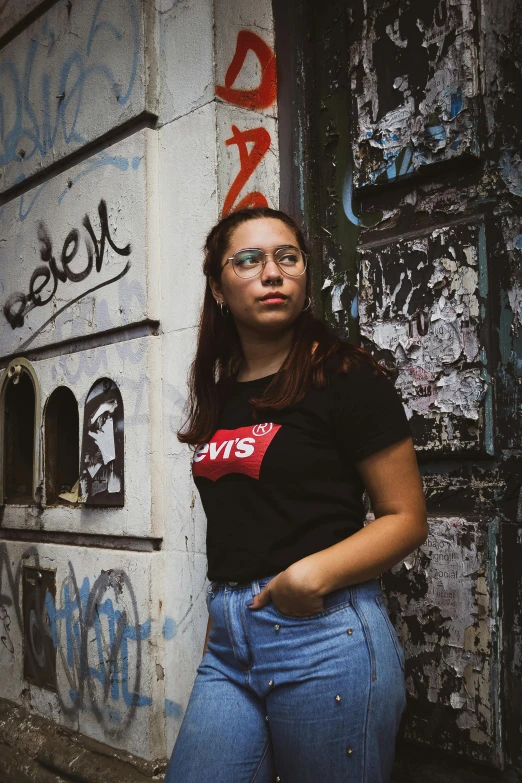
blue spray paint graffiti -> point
(101, 626)
(112, 675)
(169, 628)
(33, 134)
(98, 635)
(96, 630)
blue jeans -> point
(296, 699)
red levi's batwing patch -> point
(234, 451)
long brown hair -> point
(219, 353)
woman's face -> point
(272, 300)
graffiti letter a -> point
(260, 97)
(249, 160)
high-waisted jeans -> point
(310, 699)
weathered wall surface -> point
(81, 258)
(415, 82)
(445, 604)
(246, 87)
(12, 12)
(224, 152)
(70, 77)
(127, 128)
(100, 633)
(132, 365)
(411, 186)
(420, 302)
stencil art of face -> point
(101, 430)
(101, 479)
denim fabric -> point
(296, 699)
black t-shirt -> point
(277, 490)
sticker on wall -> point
(101, 471)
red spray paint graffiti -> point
(260, 97)
(248, 161)
(265, 94)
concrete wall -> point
(128, 128)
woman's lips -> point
(274, 298)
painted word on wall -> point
(256, 99)
(45, 278)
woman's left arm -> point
(392, 479)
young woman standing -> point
(302, 678)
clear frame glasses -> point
(250, 261)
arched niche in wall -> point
(102, 463)
(62, 444)
(19, 428)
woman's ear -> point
(215, 287)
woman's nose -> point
(271, 271)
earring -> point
(224, 308)
(308, 305)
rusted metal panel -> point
(415, 85)
(421, 303)
(444, 602)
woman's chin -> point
(274, 322)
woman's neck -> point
(263, 355)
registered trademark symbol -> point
(262, 429)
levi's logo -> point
(234, 451)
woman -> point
(302, 678)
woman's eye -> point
(289, 258)
(247, 259)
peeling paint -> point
(429, 115)
(440, 601)
(419, 306)
(416, 177)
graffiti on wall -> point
(256, 99)
(96, 630)
(48, 82)
(45, 278)
(92, 634)
(102, 462)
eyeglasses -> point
(250, 261)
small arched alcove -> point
(62, 444)
(19, 426)
(102, 464)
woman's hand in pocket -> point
(290, 593)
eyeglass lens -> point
(249, 262)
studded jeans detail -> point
(295, 699)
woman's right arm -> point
(209, 626)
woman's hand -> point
(290, 593)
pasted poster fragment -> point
(421, 308)
(446, 614)
(415, 84)
(102, 465)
